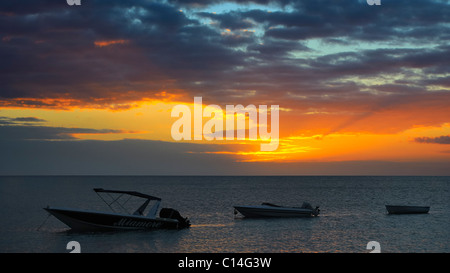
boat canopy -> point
(140, 211)
(133, 193)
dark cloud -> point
(231, 20)
(53, 53)
(438, 81)
(48, 50)
(202, 3)
(11, 131)
(356, 20)
(435, 140)
(273, 48)
(20, 120)
(28, 119)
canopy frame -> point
(140, 210)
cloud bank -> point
(435, 140)
(300, 52)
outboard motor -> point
(316, 211)
(174, 214)
(307, 205)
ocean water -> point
(352, 214)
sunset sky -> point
(89, 89)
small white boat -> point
(394, 209)
(271, 210)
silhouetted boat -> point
(271, 210)
(392, 209)
(85, 220)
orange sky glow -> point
(304, 135)
(353, 82)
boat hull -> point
(81, 220)
(268, 211)
(407, 209)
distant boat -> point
(271, 210)
(85, 220)
(392, 209)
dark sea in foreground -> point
(352, 214)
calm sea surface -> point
(352, 214)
